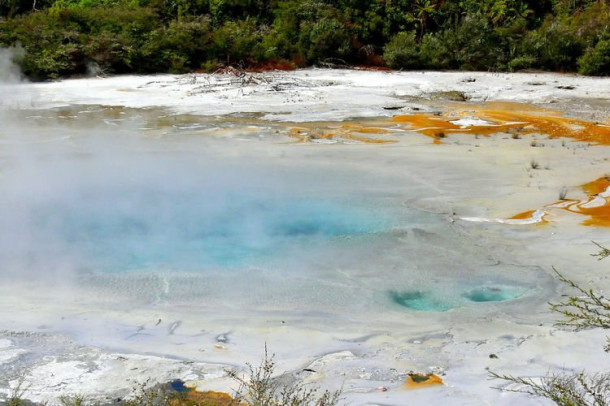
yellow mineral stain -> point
(366, 140)
(439, 126)
(600, 216)
(429, 124)
(508, 117)
(488, 119)
(526, 215)
(300, 133)
(416, 381)
(551, 125)
(596, 206)
(210, 398)
(366, 130)
(597, 186)
(358, 133)
(326, 135)
(512, 106)
(522, 216)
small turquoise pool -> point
(421, 300)
(456, 295)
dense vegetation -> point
(66, 37)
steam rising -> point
(204, 238)
(110, 201)
(9, 70)
(105, 197)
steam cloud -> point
(108, 200)
(9, 70)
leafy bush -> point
(322, 33)
(236, 41)
(261, 388)
(436, 52)
(182, 46)
(578, 389)
(522, 62)
(554, 46)
(402, 51)
(65, 42)
(596, 61)
(477, 45)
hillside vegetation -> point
(70, 37)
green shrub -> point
(110, 53)
(477, 45)
(522, 62)
(261, 388)
(236, 41)
(555, 47)
(62, 42)
(596, 61)
(325, 38)
(436, 52)
(402, 52)
(187, 43)
(322, 32)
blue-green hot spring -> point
(189, 225)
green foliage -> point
(554, 46)
(322, 32)
(568, 7)
(402, 51)
(587, 310)
(237, 41)
(477, 44)
(76, 400)
(522, 62)
(12, 8)
(436, 51)
(16, 396)
(66, 37)
(579, 389)
(261, 388)
(596, 61)
(182, 46)
(13, 401)
(146, 394)
(603, 253)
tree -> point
(424, 10)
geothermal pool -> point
(369, 229)
(109, 209)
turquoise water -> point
(421, 300)
(191, 229)
(456, 296)
(305, 237)
(497, 293)
(303, 234)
